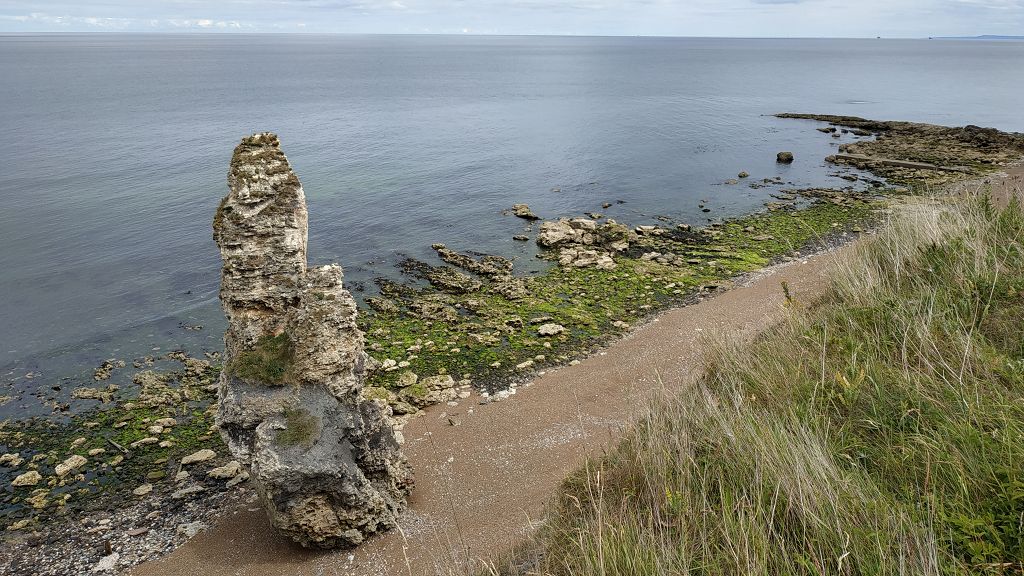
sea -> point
(117, 148)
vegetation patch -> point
(880, 432)
(301, 428)
(485, 335)
(268, 362)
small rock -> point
(525, 365)
(550, 329)
(143, 490)
(30, 478)
(72, 463)
(229, 470)
(145, 441)
(743, 175)
(784, 158)
(523, 211)
(166, 422)
(186, 492)
(521, 238)
(181, 476)
(200, 456)
(13, 460)
(242, 477)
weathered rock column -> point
(326, 461)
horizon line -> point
(482, 34)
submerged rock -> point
(784, 158)
(326, 460)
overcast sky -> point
(844, 18)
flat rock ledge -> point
(326, 461)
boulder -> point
(784, 158)
(325, 460)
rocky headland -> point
(147, 466)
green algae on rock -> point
(484, 336)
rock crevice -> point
(326, 461)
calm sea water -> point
(117, 146)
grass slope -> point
(879, 432)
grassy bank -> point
(879, 432)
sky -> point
(735, 18)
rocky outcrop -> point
(918, 154)
(326, 461)
(583, 243)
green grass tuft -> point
(269, 361)
(301, 428)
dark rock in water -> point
(784, 158)
(523, 211)
(326, 461)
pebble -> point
(200, 456)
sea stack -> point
(326, 461)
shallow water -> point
(118, 146)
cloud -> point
(655, 17)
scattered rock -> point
(523, 211)
(198, 456)
(227, 471)
(784, 158)
(12, 460)
(744, 174)
(71, 464)
(30, 478)
(187, 492)
(550, 329)
(143, 490)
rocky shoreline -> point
(111, 481)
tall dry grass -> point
(879, 432)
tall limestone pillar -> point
(326, 461)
